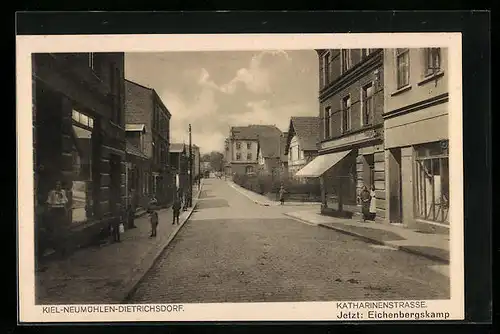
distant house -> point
(269, 154)
(301, 144)
(179, 163)
(240, 155)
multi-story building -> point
(241, 147)
(143, 106)
(301, 142)
(416, 137)
(79, 138)
(351, 151)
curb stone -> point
(139, 273)
(376, 241)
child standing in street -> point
(176, 208)
(282, 192)
(153, 218)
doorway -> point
(395, 187)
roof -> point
(135, 127)
(306, 128)
(252, 132)
(270, 146)
(177, 148)
(134, 150)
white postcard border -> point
(300, 311)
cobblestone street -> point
(234, 250)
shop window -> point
(432, 182)
(82, 202)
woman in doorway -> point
(365, 203)
(373, 203)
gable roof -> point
(252, 132)
(306, 128)
(177, 148)
(134, 150)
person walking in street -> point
(373, 203)
(57, 203)
(153, 219)
(176, 209)
(282, 192)
(365, 203)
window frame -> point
(432, 70)
(346, 64)
(249, 145)
(326, 68)
(327, 122)
(238, 156)
(249, 155)
(346, 114)
(238, 145)
(402, 53)
(364, 99)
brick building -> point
(416, 137)
(143, 107)
(79, 139)
(351, 151)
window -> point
(81, 200)
(326, 69)
(432, 182)
(249, 146)
(403, 67)
(249, 169)
(238, 145)
(238, 156)
(346, 114)
(91, 60)
(328, 111)
(249, 156)
(367, 105)
(432, 60)
(365, 53)
(346, 60)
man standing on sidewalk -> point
(176, 209)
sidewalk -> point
(107, 274)
(432, 246)
(263, 200)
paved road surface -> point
(233, 250)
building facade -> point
(416, 137)
(180, 166)
(196, 163)
(138, 167)
(241, 156)
(143, 107)
(350, 152)
(301, 142)
(269, 156)
(79, 138)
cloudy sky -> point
(216, 90)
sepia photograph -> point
(168, 179)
